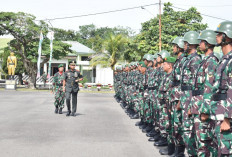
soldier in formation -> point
(183, 101)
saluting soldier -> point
(71, 87)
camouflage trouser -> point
(157, 112)
(224, 140)
(147, 109)
(177, 125)
(188, 127)
(164, 121)
(206, 144)
(140, 105)
(59, 97)
(128, 96)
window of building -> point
(84, 58)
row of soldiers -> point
(184, 102)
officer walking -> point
(71, 87)
(58, 87)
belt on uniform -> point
(152, 88)
(11, 64)
(162, 101)
(197, 92)
(145, 87)
(59, 84)
(186, 88)
(175, 83)
(219, 96)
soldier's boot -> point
(143, 126)
(68, 113)
(139, 123)
(168, 150)
(162, 142)
(152, 133)
(56, 110)
(157, 137)
(179, 151)
(60, 111)
(148, 128)
(135, 116)
(73, 114)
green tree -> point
(174, 23)
(26, 33)
(114, 50)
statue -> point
(11, 65)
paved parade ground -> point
(29, 128)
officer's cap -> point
(72, 63)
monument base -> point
(10, 85)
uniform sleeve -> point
(228, 104)
(208, 86)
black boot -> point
(168, 150)
(139, 123)
(143, 126)
(157, 137)
(151, 139)
(152, 133)
(68, 114)
(135, 116)
(56, 110)
(179, 151)
(60, 111)
(73, 114)
(162, 142)
(148, 128)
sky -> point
(45, 9)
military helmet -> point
(209, 36)
(150, 57)
(155, 56)
(145, 56)
(191, 37)
(226, 28)
(179, 41)
(164, 54)
(136, 63)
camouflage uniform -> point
(188, 74)
(147, 109)
(164, 99)
(220, 106)
(203, 84)
(152, 95)
(58, 88)
(175, 98)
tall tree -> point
(26, 32)
(174, 23)
(114, 49)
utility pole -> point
(160, 42)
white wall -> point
(104, 75)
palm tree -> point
(114, 49)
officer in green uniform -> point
(71, 87)
(58, 88)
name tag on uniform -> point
(75, 74)
(69, 75)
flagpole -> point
(39, 54)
